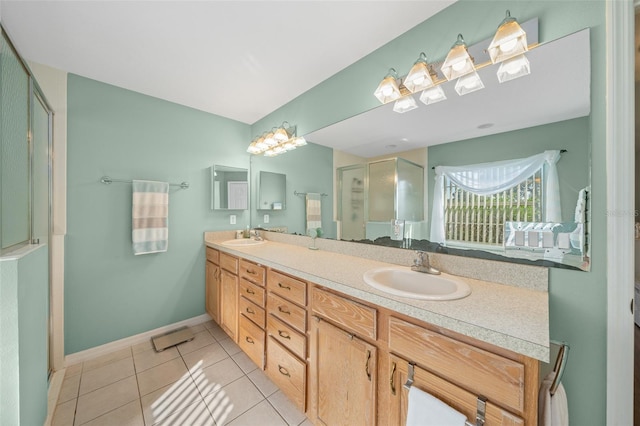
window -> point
(471, 203)
(477, 218)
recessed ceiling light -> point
(485, 125)
(391, 146)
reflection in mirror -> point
(502, 122)
(229, 188)
(272, 190)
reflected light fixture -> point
(388, 90)
(277, 141)
(514, 68)
(419, 77)
(458, 61)
(405, 104)
(510, 40)
(469, 83)
(433, 95)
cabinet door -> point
(452, 395)
(212, 291)
(229, 304)
(344, 386)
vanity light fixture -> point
(510, 40)
(277, 141)
(405, 104)
(458, 61)
(388, 90)
(419, 77)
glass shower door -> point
(351, 202)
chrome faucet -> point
(421, 264)
(256, 235)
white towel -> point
(552, 410)
(150, 216)
(426, 410)
(581, 206)
(314, 211)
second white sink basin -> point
(416, 285)
(243, 242)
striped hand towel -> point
(314, 211)
(150, 216)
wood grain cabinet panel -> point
(293, 340)
(456, 397)
(251, 341)
(229, 263)
(287, 287)
(252, 292)
(252, 272)
(252, 311)
(353, 316)
(212, 291)
(229, 304)
(213, 256)
(287, 311)
(287, 372)
(479, 371)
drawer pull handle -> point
(283, 371)
(250, 291)
(250, 311)
(286, 287)
(249, 340)
(393, 376)
(284, 334)
(284, 310)
(252, 272)
(366, 365)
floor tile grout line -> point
(106, 412)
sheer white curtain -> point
(495, 177)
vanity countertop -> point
(510, 317)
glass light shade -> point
(280, 135)
(269, 140)
(510, 40)
(253, 149)
(300, 141)
(458, 61)
(405, 104)
(433, 95)
(418, 78)
(388, 89)
(289, 146)
(469, 83)
(270, 153)
(514, 68)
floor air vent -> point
(172, 338)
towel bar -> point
(304, 193)
(481, 407)
(108, 181)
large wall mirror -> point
(544, 111)
(272, 191)
(229, 188)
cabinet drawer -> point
(287, 287)
(228, 262)
(251, 341)
(288, 336)
(287, 372)
(252, 272)
(213, 255)
(286, 311)
(499, 379)
(351, 316)
(252, 292)
(252, 311)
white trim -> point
(620, 146)
(55, 386)
(97, 351)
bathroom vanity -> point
(342, 351)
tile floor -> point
(207, 381)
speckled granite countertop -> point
(510, 317)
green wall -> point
(573, 167)
(24, 309)
(110, 293)
(577, 299)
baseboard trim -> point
(97, 351)
(55, 386)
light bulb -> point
(509, 45)
(459, 66)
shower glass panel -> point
(14, 155)
(40, 172)
(382, 193)
(351, 202)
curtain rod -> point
(108, 181)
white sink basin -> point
(416, 285)
(243, 242)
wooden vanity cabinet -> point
(251, 305)
(229, 295)
(212, 284)
(287, 340)
(342, 365)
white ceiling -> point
(558, 88)
(237, 59)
